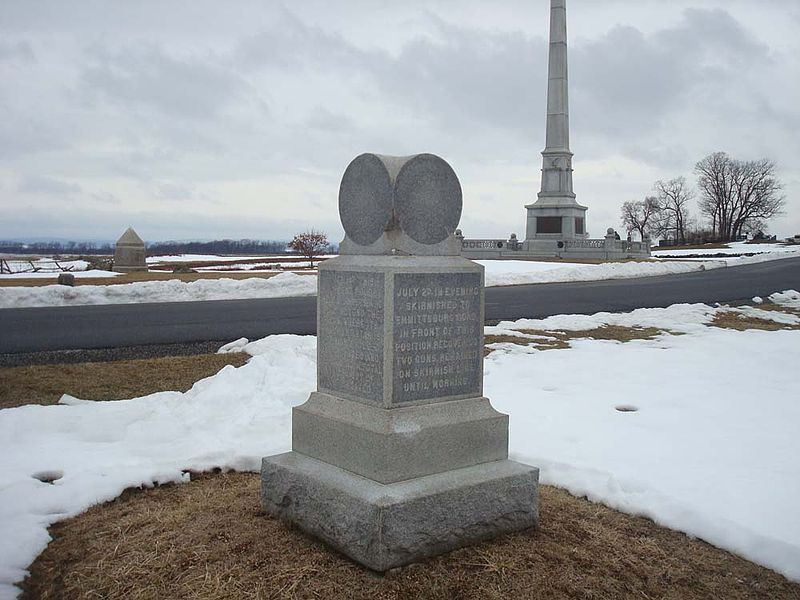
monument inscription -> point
(351, 334)
(437, 335)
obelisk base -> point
(387, 526)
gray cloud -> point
(152, 79)
(21, 50)
(257, 111)
(324, 120)
(40, 184)
(175, 191)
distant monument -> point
(129, 256)
(398, 456)
(556, 223)
(556, 215)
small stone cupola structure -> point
(129, 256)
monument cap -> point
(427, 199)
(418, 195)
(365, 199)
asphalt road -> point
(33, 330)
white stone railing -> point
(485, 244)
(609, 246)
(584, 244)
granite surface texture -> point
(409, 205)
(391, 445)
(396, 330)
(129, 254)
(388, 526)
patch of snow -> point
(498, 273)
(234, 346)
(229, 420)
(519, 272)
(94, 273)
(758, 300)
(731, 248)
(789, 298)
(174, 290)
(172, 258)
(184, 258)
(710, 449)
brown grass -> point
(769, 307)
(738, 321)
(210, 540)
(44, 384)
(560, 340)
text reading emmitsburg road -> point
(436, 335)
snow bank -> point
(498, 273)
(732, 248)
(174, 290)
(95, 273)
(98, 449)
(711, 450)
(51, 268)
(216, 258)
(519, 272)
(290, 284)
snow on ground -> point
(96, 273)
(187, 258)
(498, 273)
(172, 258)
(51, 268)
(711, 450)
(288, 284)
(256, 267)
(732, 248)
(519, 272)
(173, 290)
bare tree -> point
(737, 195)
(640, 215)
(673, 200)
(310, 244)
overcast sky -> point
(201, 119)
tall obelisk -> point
(556, 216)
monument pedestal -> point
(398, 456)
(386, 526)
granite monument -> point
(129, 255)
(398, 456)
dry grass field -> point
(115, 380)
(210, 540)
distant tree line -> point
(227, 247)
(85, 248)
(734, 198)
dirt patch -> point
(729, 319)
(560, 340)
(209, 539)
(44, 384)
